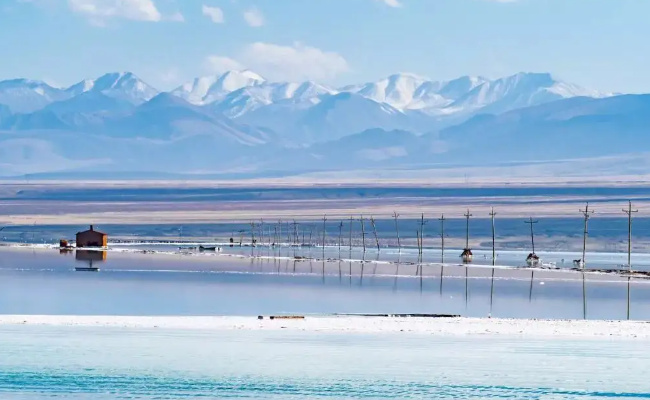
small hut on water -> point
(91, 238)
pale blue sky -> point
(601, 44)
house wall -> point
(91, 239)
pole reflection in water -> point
(88, 257)
(560, 286)
(628, 297)
(350, 265)
(466, 285)
(340, 274)
(584, 297)
(399, 256)
(421, 278)
(491, 291)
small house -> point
(92, 238)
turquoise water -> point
(38, 362)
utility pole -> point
(295, 232)
(493, 214)
(587, 214)
(532, 236)
(289, 233)
(442, 237)
(399, 245)
(252, 233)
(340, 235)
(363, 235)
(422, 222)
(324, 231)
(262, 231)
(374, 230)
(629, 213)
(275, 235)
(467, 215)
(350, 239)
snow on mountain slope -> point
(297, 95)
(25, 95)
(411, 92)
(397, 90)
(119, 85)
(516, 91)
(207, 89)
(332, 117)
(167, 116)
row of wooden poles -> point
(276, 235)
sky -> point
(599, 44)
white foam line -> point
(352, 324)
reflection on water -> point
(91, 255)
(42, 282)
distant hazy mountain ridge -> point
(241, 122)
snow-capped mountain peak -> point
(207, 89)
(396, 90)
(26, 95)
(251, 98)
(120, 85)
(520, 90)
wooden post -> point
(252, 233)
(374, 230)
(399, 244)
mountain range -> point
(240, 123)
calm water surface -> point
(44, 282)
